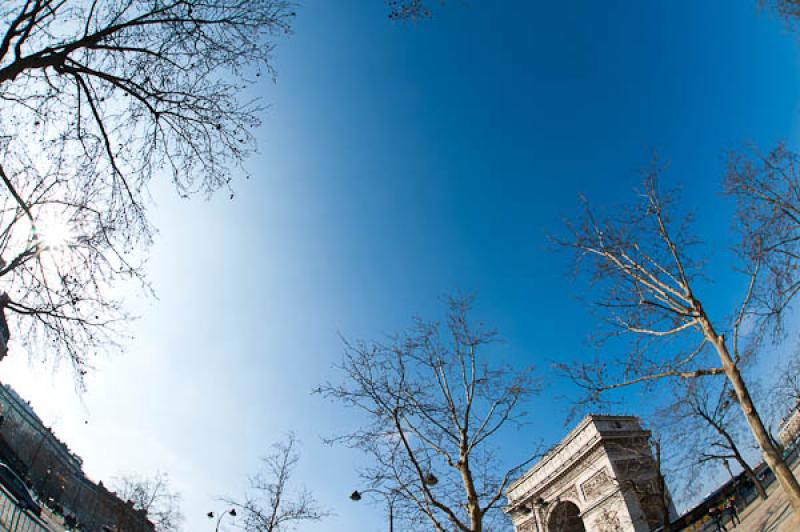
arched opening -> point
(565, 517)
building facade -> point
(789, 429)
(56, 473)
(602, 477)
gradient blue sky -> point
(398, 163)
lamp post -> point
(728, 467)
(391, 495)
(231, 512)
(733, 479)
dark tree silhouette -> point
(97, 98)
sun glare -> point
(54, 235)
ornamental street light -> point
(231, 512)
(390, 497)
(733, 478)
(429, 479)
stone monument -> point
(602, 477)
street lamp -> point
(231, 512)
(429, 479)
(389, 496)
(733, 479)
(728, 467)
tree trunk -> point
(771, 455)
(473, 502)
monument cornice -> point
(588, 423)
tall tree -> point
(646, 272)
(97, 98)
(432, 402)
(271, 506)
(153, 495)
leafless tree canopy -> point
(96, 99)
(153, 495)
(767, 190)
(410, 9)
(710, 430)
(641, 271)
(788, 9)
(645, 270)
(432, 401)
(271, 505)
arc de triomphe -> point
(602, 477)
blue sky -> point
(398, 163)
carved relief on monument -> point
(596, 484)
(608, 521)
(571, 493)
(571, 474)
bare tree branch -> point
(154, 496)
(98, 99)
(644, 276)
(432, 406)
(270, 506)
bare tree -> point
(270, 506)
(153, 495)
(432, 402)
(707, 424)
(789, 10)
(767, 190)
(646, 277)
(412, 10)
(97, 98)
